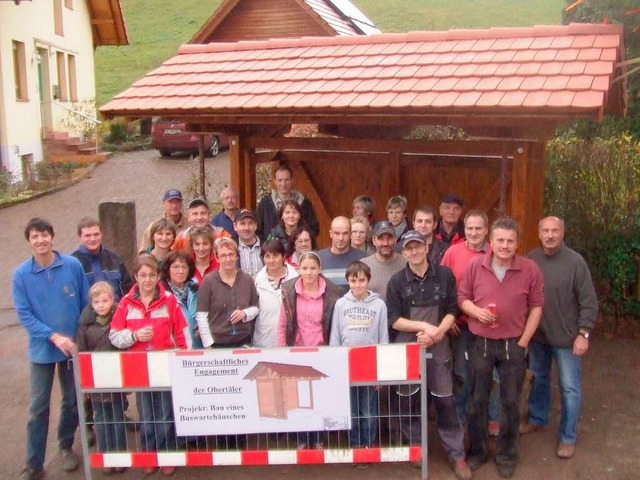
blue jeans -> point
(108, 409)
(569, 367)
(364, 416)
(156, 415)
(41, 381)
(509, 359)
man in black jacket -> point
(269, 206)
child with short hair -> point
(397, 214)
(360, 318)
(93, 336)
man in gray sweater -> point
(569, 315)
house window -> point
(20, 71)
(62, 77)
(73, 85)
(68, 4)
(57, 17)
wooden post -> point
(535, 200)
(236, 165)
(249, 155)
(519, 189)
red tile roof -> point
(559, 70)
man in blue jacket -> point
(49, 292)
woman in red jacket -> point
(149, 318)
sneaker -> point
(302, 446)
(70, 461)
(32, 474)
(475, 463)
(494, 429)
(462, 470)
(168, 471)
(527, 427)
(318, 446)
(566, 450)
(506, 470)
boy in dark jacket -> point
(93, 336)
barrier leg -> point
(424, 393)
(82, 421)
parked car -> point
(170, 136)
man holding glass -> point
(515, 285)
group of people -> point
(257, 278)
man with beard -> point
(386, 262)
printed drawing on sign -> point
(282, 387)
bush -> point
(594, 185)
(5, 180)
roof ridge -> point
(416, 36)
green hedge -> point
(594, 185)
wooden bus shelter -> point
(421, 114)
(277, 385)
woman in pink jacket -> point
(149, 318)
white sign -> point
(219, 392)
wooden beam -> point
(520, 191)
(250, 178)
(535, 205)
(483, 148)
(265, 157)
(311, 192)
(236, 165)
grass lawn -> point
(157, 29)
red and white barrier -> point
(126, 371)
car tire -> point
(165, 153)
(214, 148)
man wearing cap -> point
(424, 221)
(340, 254)
(450, 229)
(229, 197)
(502, 295)
(269, 206)
(421, 305)
(172, 204)
(198, 214)
(386, 262)
(569, 315)
(249, 259)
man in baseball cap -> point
(450, 229)
(172, 206)
(422, 307)
(386, 261)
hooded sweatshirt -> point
(359, 322)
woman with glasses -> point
(361, 234)
(302, 242)
(177, 278)
(149, 318)
(269, 283)
(227, 301)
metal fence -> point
(113, 388)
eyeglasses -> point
(303, 240)
(355, 232)
(150, 276)
(227, 256)
(175, 266)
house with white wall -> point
(47, 70)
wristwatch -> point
(586, 335)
